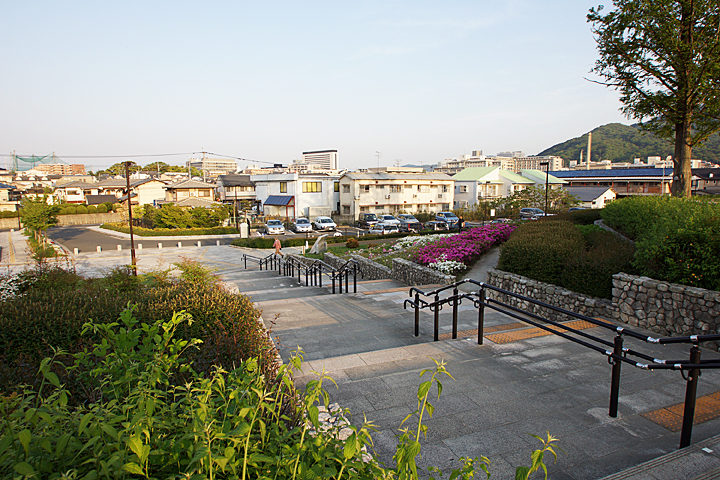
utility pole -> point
(130, 219)
(547, 177)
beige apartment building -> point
(388, 190)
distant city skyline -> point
(418, 82)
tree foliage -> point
(37, 215)
(663, 56)
(532, 197)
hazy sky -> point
(418, 81)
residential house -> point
(486, 183)
(393, 190)
(231, 188)
(296, 194)
(592, 197)
(8, 201)
(75, 192)
(190, 193)
(706, 181)
(143, 191)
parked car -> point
(448, 217)
(382, 228)
(302, 225)
(436, 225)
(531, 213)
(501, 220)
(389, 219)
(274, 227)
(367, 220)
(324, 223)
(408, 223)
(575, 209)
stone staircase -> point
(501, 392)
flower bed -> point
(452, 253)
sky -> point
(417, 81)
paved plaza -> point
(501, 392)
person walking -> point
(277, 246)
(461, 223)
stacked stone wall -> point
(370, 270)
(411, 273)
(547, 293)
(667, 309)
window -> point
(395, 188)
(365, 188)
(444, 188)
(379, 208)
(364, 209)
(423, 188)
(312, 187)
(463, 188)
(380, 187)
(346, 188)
(346, 209)
(337, 186)
(204, 193)
(283, 187)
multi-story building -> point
(295, 194)
(325, 159)
(394, 190)
(625, 182)
(62, 169)
(511, 161)
(213, 167)
(231, 188)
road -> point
(78, 236)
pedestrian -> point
(277, 246)
(461, 223)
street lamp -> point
(547, 177)
(485, 205)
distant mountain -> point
(624, 143)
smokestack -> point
(589, 150)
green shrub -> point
(539, 249)
(70, 210)
(581, 217)
(92, 209)
(102, 208)
(81, 210)
(677, 239)
(147, 232)
(352, 243)
(54, 305)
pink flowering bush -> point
(465, 247)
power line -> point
(151, 155)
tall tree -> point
(664, 58)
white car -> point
(324, 223)
(388, 219)
(302, 225)
(383, 228)
(274, 227)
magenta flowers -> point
(465, 247)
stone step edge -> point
(431, 349)
(633, 472)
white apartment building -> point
(394, 190)
(512, 161)
(295, 194)
(324, 159)
(486, 183)
(214, 166)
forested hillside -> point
(623, 143)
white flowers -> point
(417, 241)
(8, 288)
(448, 267)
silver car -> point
(274, 227)
(302, 225)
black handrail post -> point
(245, 260)
(615, 382)
(481, 316)
(455, 313)
(347, 280)
(690, 397)
(354, 277)
(436, 335)
(417, 314)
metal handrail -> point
(616, 354)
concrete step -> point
(700, 461)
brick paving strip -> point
(707, 408)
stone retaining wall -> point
(411, 273)
(371, 270)
(665, 308)
(547, 293)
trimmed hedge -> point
(581, 217)
(157, 232)
(677, 239)
(582, 259)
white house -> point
(476, 183)
(593, 197)
(393, 191)
(295, 194)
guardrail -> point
(615, 352)
(313, 271)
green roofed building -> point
(479, 183)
